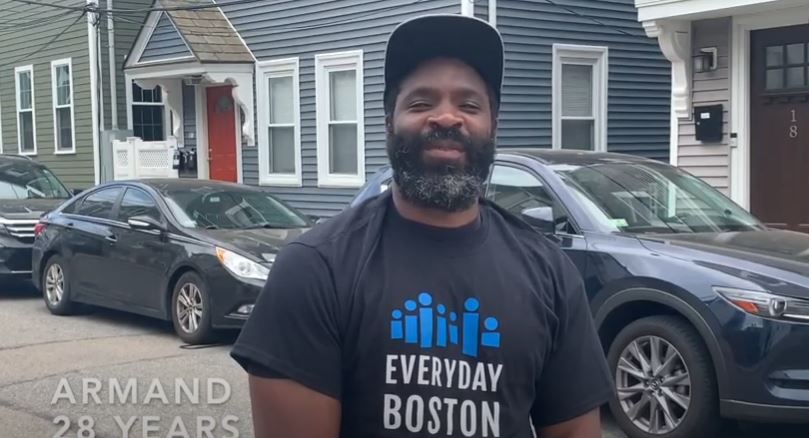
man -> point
(427, 310)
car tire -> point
(56, 287)
(689, 355)
(192, 324)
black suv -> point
(27, 190)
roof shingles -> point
(207, 32)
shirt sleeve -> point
(575, 379)
(293, 328)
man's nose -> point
(445, 118)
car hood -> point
(263, 244)
(27, 208)
(767, 257)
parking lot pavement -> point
(111, 372)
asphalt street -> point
(109, 374)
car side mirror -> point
(77, 192)
(145, 223)
(540, 218)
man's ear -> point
(389, 124)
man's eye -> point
(420, 104)
(470, 106)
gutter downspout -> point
(113, 73)
(493, 13)
(92, 36)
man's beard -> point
(449, 186)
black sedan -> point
(196, 252)
(703, 312)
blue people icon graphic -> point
(434, 327)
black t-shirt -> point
(418, 331)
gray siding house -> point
(579, 74)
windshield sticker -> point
(620, 222)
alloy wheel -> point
(654, 385)
(55, 284)
(189, 307)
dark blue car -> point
(703, 311)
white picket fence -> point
(135, 158)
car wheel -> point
(191, 311)
(665, 383)
(56, 287)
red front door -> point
(222, 133)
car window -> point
(137, 203)
(21, 180)
(99, 204)
(516, 190)
(230, 208)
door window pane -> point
(796, 77)
(137, 203)
(343, 151)
(775, 79)
(577, 90)
(99, 204)
(282, 149)
(796, 53)
(281, 100)
(775, 56)
(578, 134)
(343, 95)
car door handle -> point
(111, 238)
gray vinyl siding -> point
(126, 32)
(710, 162)
(482, 9)
(165, 43)
(304, 28)
(29, 45)
(638, 111)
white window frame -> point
(167, 117)
(324, 64)
(280, 68)
(598, 58)
(22, 69)
(54, 64)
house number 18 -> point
(793, 128)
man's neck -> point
(432, 216)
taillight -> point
(39, 228)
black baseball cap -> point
(472, 40)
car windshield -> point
(218, 208)
(26, 181)
(653, 198)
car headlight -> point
(766, 304)
(241, 266)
